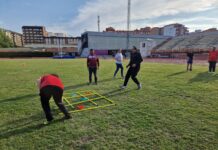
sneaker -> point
(47, 122)
(114, 77)
(123, 87)
(67, 117)
(139, 86)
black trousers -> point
(118, 66)
(93, 71)
(212, 66)
(132, 72)
(52, 91)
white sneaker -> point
(123, 87)
(139, 86)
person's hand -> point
(134, 65)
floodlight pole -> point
(99, 23)
(128, 24)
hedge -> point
(25, 54)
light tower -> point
(128, 24)
(98, 23)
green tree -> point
(5, 41)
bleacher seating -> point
(196, 41)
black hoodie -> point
(135, 58)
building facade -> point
(175, 30)
(155, 31)
(51, 34)
(16, 38)
(106, 43)
(34, 34)
(62, 41)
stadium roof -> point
(115, 34)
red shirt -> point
(213, 55)
(51, 80)
(92, 61)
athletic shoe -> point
(47, 122)
(123, 87)
(139, 86)
(67, 117)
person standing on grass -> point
(212, 60)
(93, 66)
(134, 68)
(119, 63)
(190, 56)
(51, 86)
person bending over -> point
(93, 65)
(134, 68)
(51, 86)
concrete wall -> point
(115, 42)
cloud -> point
(114, 13)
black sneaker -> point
(47, 122)
(67, 117)
(139, 87)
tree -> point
(5, 41)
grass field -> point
(174, 110)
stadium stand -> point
(196, 41)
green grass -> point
(174, 110)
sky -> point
(77, 16)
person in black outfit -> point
(134, 67)
(190, 56)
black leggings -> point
(119, 66)
(52, 91)
(93, 71)
(212, 66)
(132, 72)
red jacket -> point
(213, 55)
(92, 61)
(51, 80)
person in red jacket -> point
(213, 60)
(93, 65)
(51, 86)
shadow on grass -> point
(117, 92)
(31, 96)
(177, 73)
(23, 126)
(204, 77)
(31, 124)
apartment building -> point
(34, 34)
(16, 38)
(175, 30)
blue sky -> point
(76, 16)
